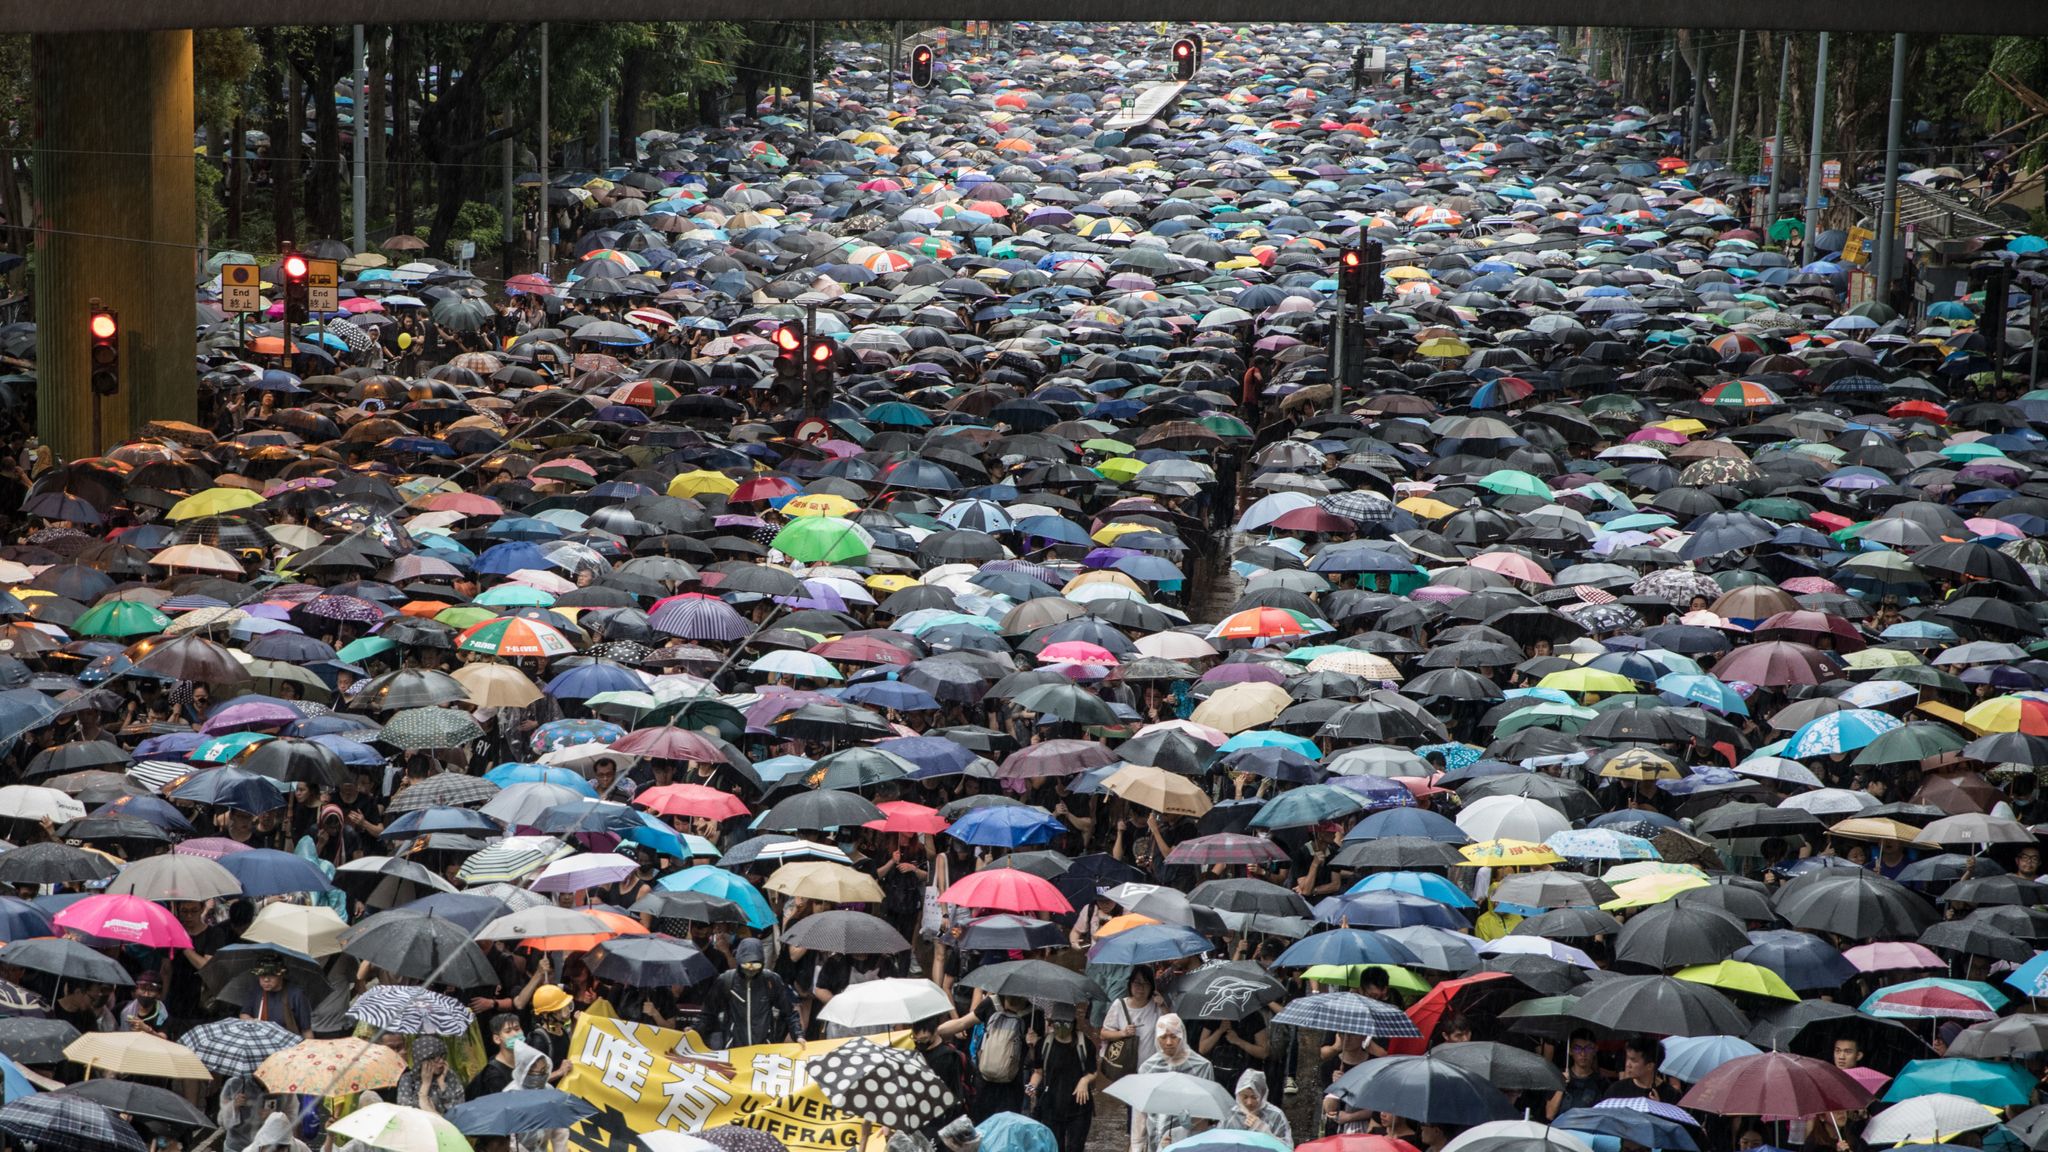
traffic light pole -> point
(1340, 331)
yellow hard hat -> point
(549, 999)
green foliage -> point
(479, 222)
(2022, 59)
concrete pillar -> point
(115, 219)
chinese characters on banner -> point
(644, 1079)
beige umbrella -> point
(201, 618)
(1175, 646)
(497, 685)
(1157, 789)
(269, 673)
(331, 1067)
(824, 880)
(198, 558)
(175, 877)
(1238, 707)
(1356, 664)
(136, 1054)
(313, 929)
(295, 536)
(546, 920)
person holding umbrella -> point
(1174, 1054)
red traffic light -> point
(1352, 258)
(104, 326)
(787, 340)
(294, 267)
(822, 352)
(921, 55)
(1183, 49)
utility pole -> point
(546, 215)
(811, 81)
(509, 192)
(604, 134)
(1778, 136)
(359, 169)
(1820, 100)
(1729, 129)
(1888, 212)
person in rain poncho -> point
(1174, 1055)
(1254, 1112)
(530, 1070)
(276, 1135)
(241, 1112)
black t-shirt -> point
(1229, 1060)
(1065, 1065)
(1661, 1091)
(493, 1078)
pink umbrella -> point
(1887, 955)
(126, 918)
(1076, 652)
(1655, 436)
(211, 847)
(1438, 592)
(1774, 663)
(257, 714)
(1514, 566)
(575, 873)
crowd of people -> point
(1615, 721)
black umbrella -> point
(1658, 1005)
(830, 808)
(1668, 936)
(895, 1089)
(1262, 897)
(50, 1122)
(653, 961)
(1423, 1089)
(696, 907)
(1811, 1027)
(425, 948)
(53, 863)
(65, 958)
(144, 1101)
(408, 688)
(848, 932)
(1228, 991)
(1855, 903)
(1511, 1069)
(33, 1040)
(1034, 980)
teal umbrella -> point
(1993, 1085)
(1302, 807)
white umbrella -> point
(676, 1142)
(1174, 646)
(29, 802)
(1928, 1119)
(1780, 769)
(575, 873)
(887, 1002)
(1511, 818)
(397, 1129)
(1173, 1094)
(1831, 802)
(1517, 1130)
(313, 929)
(547, 920)
(523, 803)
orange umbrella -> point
(621, 925)
(1118, 924)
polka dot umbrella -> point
(895, 1089)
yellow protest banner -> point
(648, 1079)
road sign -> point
(1831, 173)
(241, 288)
(323, 286)
(811, 431)
(1857, 250)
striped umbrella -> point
(515, 636)
(236, 1047)
(443, 790)
(411, 1011)
(698, 618)
(511, 859)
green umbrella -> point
(121, 618)
(822, 539)
(1910, 744)
(1513, 482)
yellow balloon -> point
(404, 341)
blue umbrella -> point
(1010, 826)
(268, 872)
(472, 910)
(932, 755)
(1681, 688)
(1838, 732)
(1690, 1058)
(509, 557)
(13, 1085)
(506, 775)
(1806, 961)
(520, 1111)
(1345, 946)
(231, 788)
(1388, 910)
(1011, 1132)
(712, 880)
(1987, 1082)
(1407, 822)
(1630, 1126)
(1427, 885)
(151, 808)
(430, 821)
(890, 694)
(20, 920)
(1149, 944)
(587, 680)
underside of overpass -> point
(114, 181)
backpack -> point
(1000, 1057)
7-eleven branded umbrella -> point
(130, 919)
(515, 636)
(1257, 624)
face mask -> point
(751, 969)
